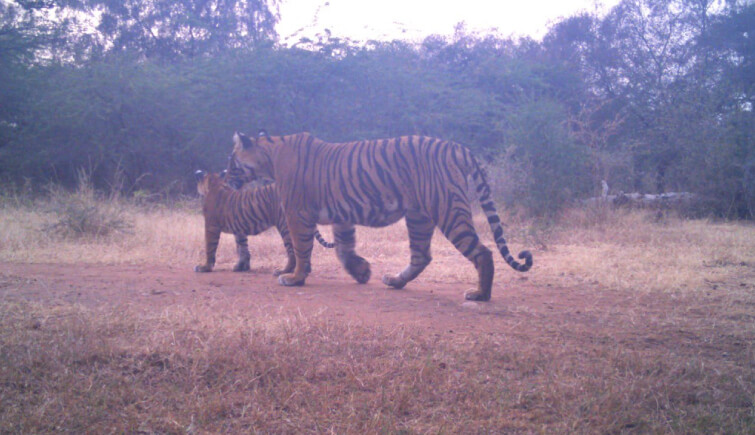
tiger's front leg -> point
(211, 240)
(302, 236)
(242, 250)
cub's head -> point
(208, 181)
(251, 159)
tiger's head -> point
(207, 181)
(250, 160)
(235, 176)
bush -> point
(83, 213)
(550, 167)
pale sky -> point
(415, 19)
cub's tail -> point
(322, 241)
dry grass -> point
(190, 370)
(632, 251)
(197, 369)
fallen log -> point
(644, 200)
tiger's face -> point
(203, 181)
(206, 181)
(250, 160)
(236, 176)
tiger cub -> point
(241, 213)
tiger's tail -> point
(322, 241)
(483, 192)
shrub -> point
(551, 168)
(84, 213)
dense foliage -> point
(655, 96)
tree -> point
(554, 165)
(723, 163)
(168, 28)
(22, 34)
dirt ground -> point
(704, 324)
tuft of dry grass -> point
(84, 214)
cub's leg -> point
(242, 250)
(459, 230)
(302, 235)
(211, 239)
(421, 230)
(291, 263)
(345, 238)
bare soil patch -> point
(437, 307)
(717, 321)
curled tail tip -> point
(527, 257)
(519, 267)
(328, 245)
(323, 242)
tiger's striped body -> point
(241, 213)
(376, 183)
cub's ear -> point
(199, 175)
(263, 133)
(223, 174)
(241, 140)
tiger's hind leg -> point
(345, 238)
(242, 250)
(460, 231)
(421, 230)
(291, 258)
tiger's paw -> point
(477, 295)
(290, 280)
(359, 268)
(288, 268)
(394, 281)
(241, 266)
(202, 268)
(279, 272)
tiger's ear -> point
(263, 133)
(240, 140)
(223, 174)
(199, 174)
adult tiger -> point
(375, 183)
(242, 213)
